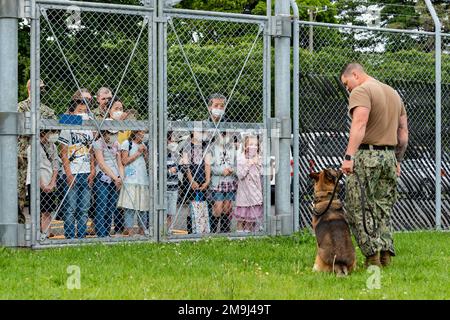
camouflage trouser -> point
(22, 164)
(376, 170)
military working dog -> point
(335, 250)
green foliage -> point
(236, 6)
(23, 59)
(218, 268)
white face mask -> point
(84, 116)
(117, 115)
(217, 112)
(52, 138)
(172, 147)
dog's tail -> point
(334, 260)
(339, 269)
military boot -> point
(385, 258)
(373, 260)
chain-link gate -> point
(93, 158)
(217, 112)
(403, 59)
(111, 162)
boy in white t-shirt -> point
(79, 172)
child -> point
(108, 182)
(249, 197)
(172, 179)
(79, 173)
(134, 195)
(48, 172)
(198, 173)
(223, 181)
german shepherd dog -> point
(335, 250)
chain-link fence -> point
(138, 141)
(217, 112)
(94, 151)
(111, 162)
(404, 60)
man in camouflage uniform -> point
(23, 143)
(377, 144)
(104, 96)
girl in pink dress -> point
(249, 197)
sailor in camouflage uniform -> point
(377, 144)
(23, 143)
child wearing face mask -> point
(172, 179)
(79, 172)
(249, 197)
(48, 174)
(134, 194)
(223, 181)
(108, 183)
(197, 166)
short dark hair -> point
(73, 104)
(349, 67)
(217, 96)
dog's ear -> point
(331, 174)
(314, 175)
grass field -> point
(267, 268)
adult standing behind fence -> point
(104, 96)
(377, 144)
(23, 143)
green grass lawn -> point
(264, 268)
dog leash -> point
(363, 206)
(332, 197)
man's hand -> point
(347, 166)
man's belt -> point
(374, 147)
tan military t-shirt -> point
(385, 107)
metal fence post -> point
(295, 115)
(8, 122)
(438, 53)
(161, 122)
(282, 112)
